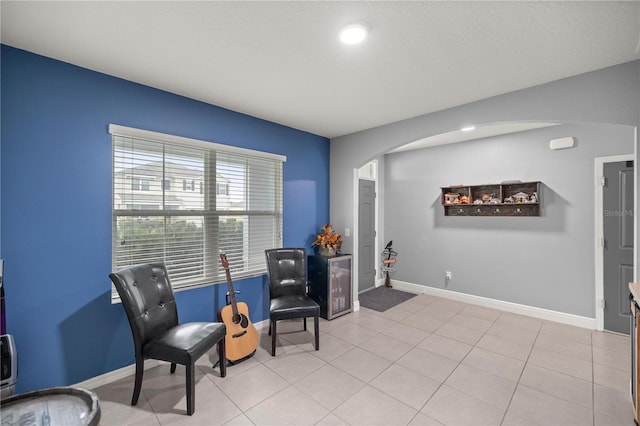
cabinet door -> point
(340, 285)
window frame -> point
(209, 214)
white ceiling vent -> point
(562, 143)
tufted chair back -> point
(287, 271)
(148, 300)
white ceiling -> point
(283, 62)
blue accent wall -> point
(55, 167)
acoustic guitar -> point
(242, 339)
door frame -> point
(599, 231)
(355, 252)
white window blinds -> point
(183, 202)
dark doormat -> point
(382, 298)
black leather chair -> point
(150, 305)
(287, 268)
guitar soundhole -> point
(241, 319)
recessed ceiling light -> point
(468, 128)
(353, 33)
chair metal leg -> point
(191, 391)
(304, 321)
(273, 338)
(173, 367)
(222, 356)
(316, 327)
(138, 380)
(270, 324)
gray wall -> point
(609, 96)
(545, 261)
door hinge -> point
(603, 181)
(602, 242)
(603, 303)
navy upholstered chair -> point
(287, 268)
(148, 300)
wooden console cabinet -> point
(330, 284)
(505, 199)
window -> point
(222, 188)
(186, 228)
(139, 184)
(188, 185)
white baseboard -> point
(112, 376)
(516, 308)
(261, 324)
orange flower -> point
(328, 238)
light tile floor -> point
(427, 361)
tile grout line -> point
(526, 362)
(459, 362)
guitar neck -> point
(232, 294)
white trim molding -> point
(516, 308)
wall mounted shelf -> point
(503, 199)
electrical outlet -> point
(447, 275)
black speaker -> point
(8, 366)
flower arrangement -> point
(328, 238)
